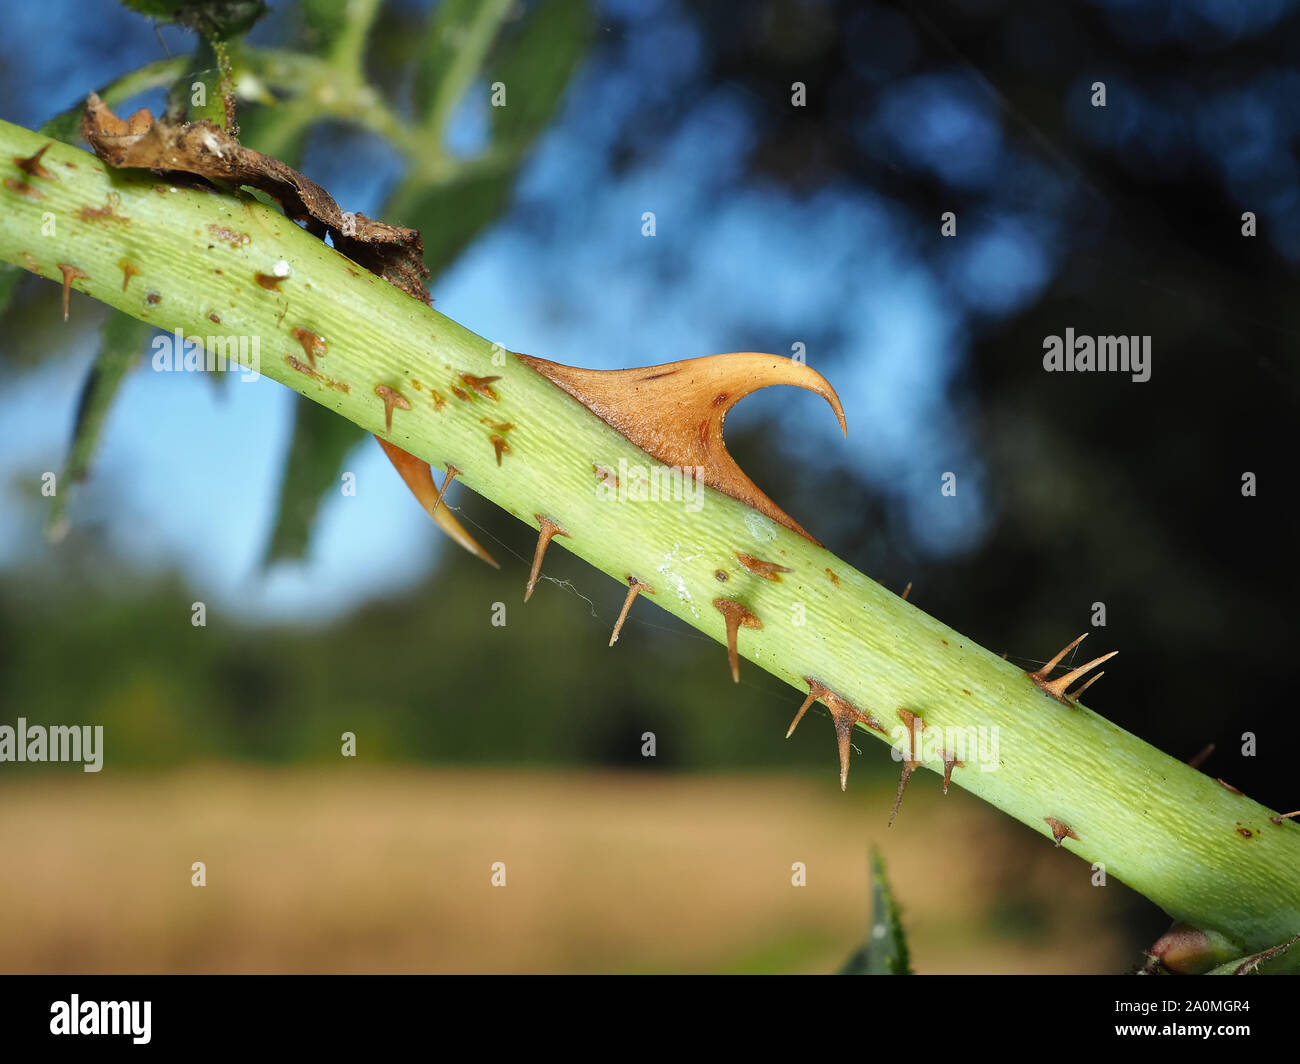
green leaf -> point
(535, 63)
(121, 341)
(458, 38)
(321, 441)
(885, 951)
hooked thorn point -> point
(634, 586)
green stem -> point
(1208, 856)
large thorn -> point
(844, 714)
(547, 530)
(735, 615)
(1057, 688)
(633, 587)
(419, 478)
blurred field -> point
(357, 870)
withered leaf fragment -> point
(203, 149)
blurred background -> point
(777, 228)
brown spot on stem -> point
(106, 213)
(720, 576)
(438, 401)
(153, 298)
(910, 720)
(1244, 832)
(482, 385)
(393, 399)
(23, 189)
(268, 281)
(129, 270)
(1060, 830)
(767, 570)
(214, 317)
(735, 616)
(461, 394)
(312, 345)
(844, 714)
(500, 446)
(834, 579)
(31, 164)
(605, 475)
(634, 587)
(547, 530)
(230, 236)
(70, 273)
(1057, 688)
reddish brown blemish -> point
(844, 714)
(720, 575)
(31, 164)
(547, 530)
(757, 566)
(944, 642)
(438, 401)
(23, 189)
(500, 446)
(1244, 832)
(312, 345)
(461, 394)
(129, 270)
(605, 475)
(735, 616)
(1060, 830)
(965, 691)
(634, 587)
(70, 274)
(153, 298)
(214, 317)
(1227, 786)
(329, 382)
(393, 399)
(268, 281)
(834, 579)
(482, 385)
(106, 213)
(230, 236)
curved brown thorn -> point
(906, 591)
(844, 714)
(674, 412)
(392, 398)
(910, 719)
(1057, 688)
(735, 615)
(419, 478)
(547, 529)
(633, 587)
(31, 164)
(1060, 830)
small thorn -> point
(70, 274)
(1046, 670)
(949, 763)
(31, 165)
(634, 586)
(1077, 693)
(452, 474)
(392, 399)
(1202, 757)
(907, 591)
(1283, 816)
(547, 529)
(1060, 830)
(735, 615)
(844, 714)
(759, 567)
(910, 720)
